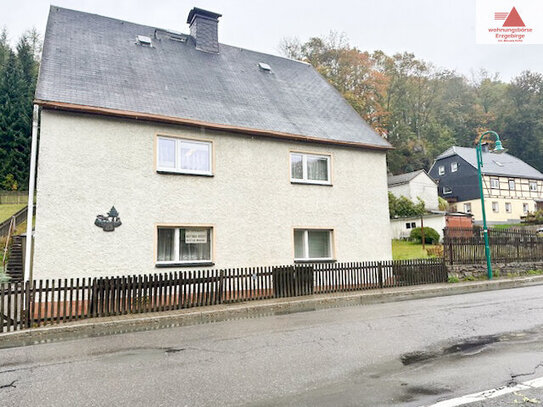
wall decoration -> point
(109, 222)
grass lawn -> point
(9, 209)
(509, 226)
(404, 250)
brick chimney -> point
(204, 29)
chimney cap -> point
(203, 13)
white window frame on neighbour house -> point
(454, 166)
(494, 183)
(508, 207)
(198, 238)
(179, 162)
(467, 207)
(305, 178)
(533, 186)
(447, 190)
(512, 183)
(495, 207)
(525, 208)
(305, 257)
(441, 170)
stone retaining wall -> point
(462, 271)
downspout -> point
(31, 189)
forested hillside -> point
(423, 110)
(18, 73)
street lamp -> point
(498, 149)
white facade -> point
(400, 228)
(421, 186)
(89, 163)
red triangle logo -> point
(513, 19)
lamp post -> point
(498, 149)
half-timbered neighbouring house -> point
(512, 188)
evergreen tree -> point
(14, 140)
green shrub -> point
(430, 235)
(453, 279)
(4, 278)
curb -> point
(194, 316)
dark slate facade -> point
(463, 183)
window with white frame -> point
(508, 207)
(178, 245)
(447, 190)
(313, 244)
(512, 184)
(454, 166)
(495, 207)
(533, 186)
(525, 208)
(467, 207)
(441, 170)
(184, 156)
(310, 168)
(494, 183)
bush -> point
(430, 235)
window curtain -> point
(166, 153)
(194, 251)
(299, 244)
(317, 168)
(194, 156)
(296, 166)
(319, 244)
(165, 245)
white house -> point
(413, 185)
(212, 155)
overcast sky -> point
(439, 31)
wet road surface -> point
(406, 353)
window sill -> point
(323, 184)
(192, 264)
(184, 173)
(309, 261)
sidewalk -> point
(251, 309)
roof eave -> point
(70, 107)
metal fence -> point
(26, 305)
(467, 246)
(20, 217)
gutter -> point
(71, 107)
(31, 189)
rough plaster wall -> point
(422, 186)
(87, 164)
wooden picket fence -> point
(467, 246)
(42, 302)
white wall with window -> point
(508, 207)
(467, 207)
(250, 201)
(310, 168)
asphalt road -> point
(406, 353)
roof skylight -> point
(264, 66)
(144, 40)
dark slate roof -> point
(94, 61)
(400, 179)
(495, 164)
